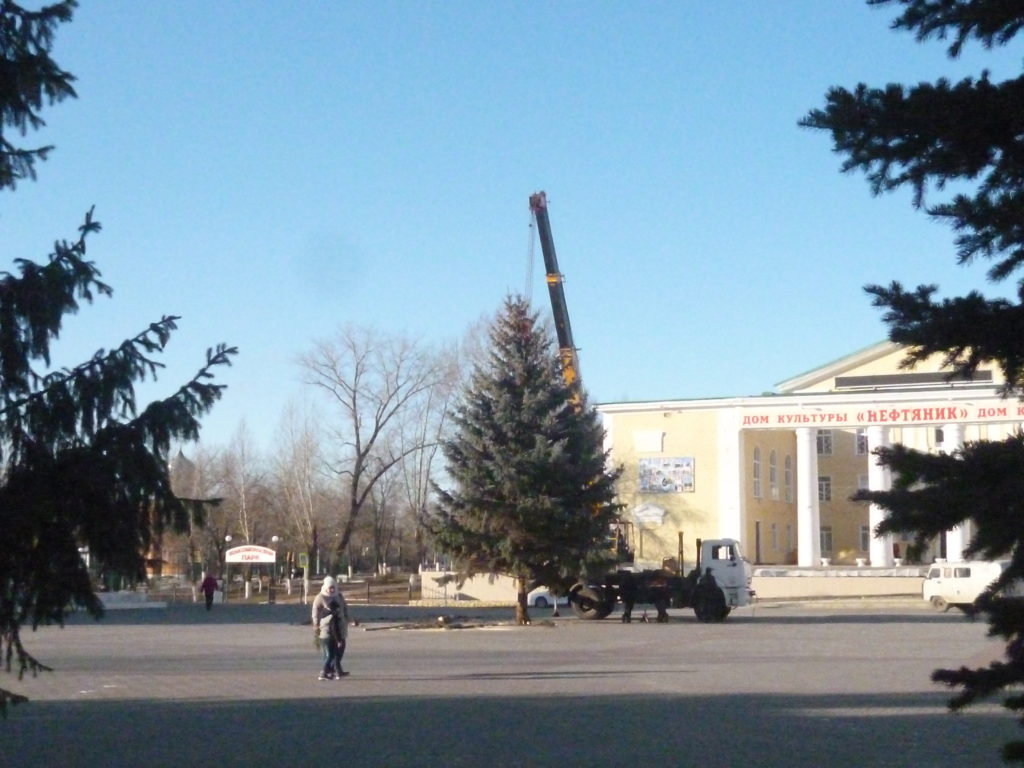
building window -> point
(824, 488)
(826, 539)
(757, 473)
(824, 442)
(775, 537)
(865, 538)
(862, 482)
(773, 475)
(789, 537)
(862, 442)
(788, 478)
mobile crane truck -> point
(720, 582)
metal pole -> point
(227, 575)
(273, 571)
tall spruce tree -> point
(970, 133)
(80, 466)
(531, 495)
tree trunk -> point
(522, 608)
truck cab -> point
(733, 572)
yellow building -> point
(777, 471)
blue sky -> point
(272, 171)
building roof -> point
(836, 367)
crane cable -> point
(528, 293)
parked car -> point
(541, 597)
(960, 583)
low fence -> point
(780, 583)
(439, 587)
(380, 592)
(113, 601)
(371, 590)
(443, 587)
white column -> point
(808, 520)
(608, 425)
(879, 479)
(957, 538)
(731, 474)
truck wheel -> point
(939, 603)
(589, 603)
(711, 606)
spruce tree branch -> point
(967, 331)
(34, 303)
(33, 80)
(928, 136)
(991, 23)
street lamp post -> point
(227, 579)
(273, 570)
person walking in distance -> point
(208, 587)
(330, 628)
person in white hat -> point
(330, 628)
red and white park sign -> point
(250, 553)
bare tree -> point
(382, 506)
(193, 476)
(374, 381)
(243, 485)
(420, 438)
(299, 479)
(245, 496)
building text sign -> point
(883, 415)
(250, 553)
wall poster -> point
(666, 475)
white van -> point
(960, 584)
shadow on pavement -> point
(673, 730)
